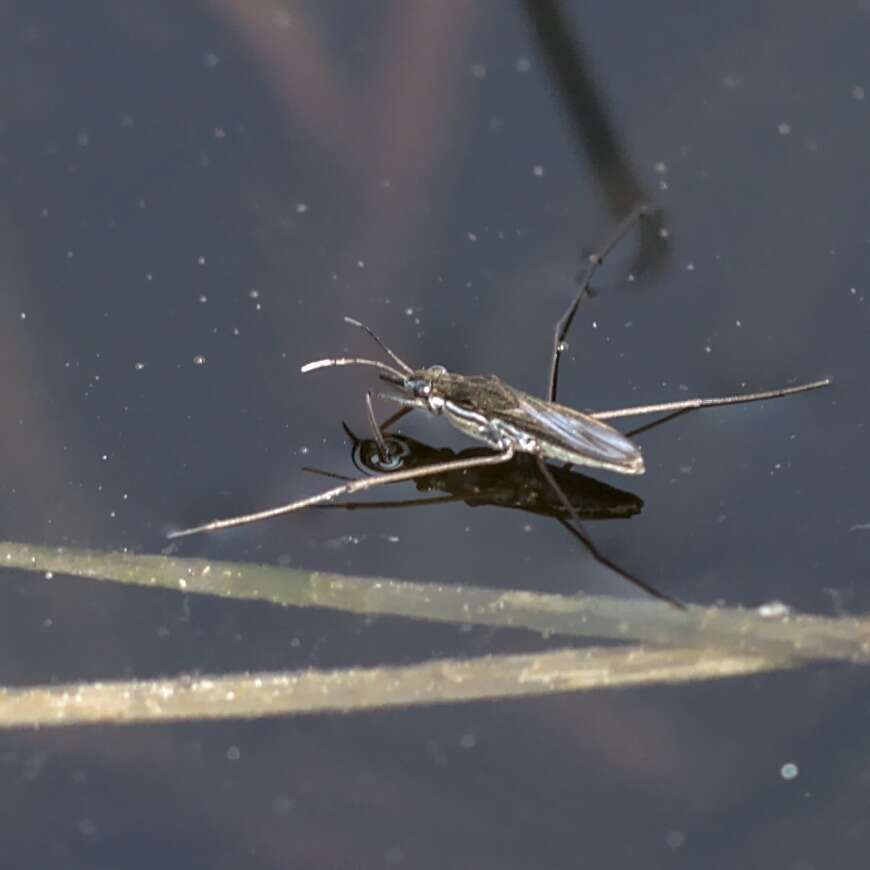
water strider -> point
(506, 419)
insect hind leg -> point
(575, 527)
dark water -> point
(191, 197)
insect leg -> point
(333, 475)
(359, 505)
(384, 451)
(376, 430)
(576, 529)
(647, 426)
(381, 505)
(593, 262)
(689, 404)
(391, 421)
(372, 505)
(410, 404)
(346, 489)
(584, 538)
(380, 428)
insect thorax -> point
(484, 393)
(473, 404)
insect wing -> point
(566, 434)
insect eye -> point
(422, 389)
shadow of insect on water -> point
(517, 484)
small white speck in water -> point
(675, 839)
(789, 771)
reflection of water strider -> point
(514, 485)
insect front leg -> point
(388, 449)
(405, 402)
(376, 430)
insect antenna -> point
(353, 361)
(372, 334)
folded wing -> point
(566, 434)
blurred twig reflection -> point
(675, 646)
